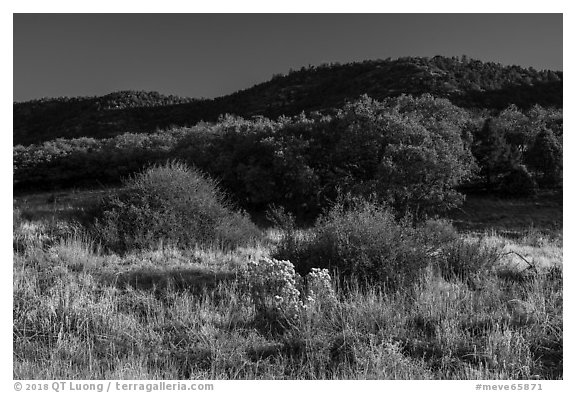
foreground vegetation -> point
(83, 312)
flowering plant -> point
(273, 287)
(319, 287)
(277, 291)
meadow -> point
(82, 311)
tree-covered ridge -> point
(467, 83)
(135, 99)
(98, 117)
(117, 100)
(462, 80)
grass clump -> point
(170, 204)
(468, 260)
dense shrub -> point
(170, 204)
(518, 183)
(364, 240)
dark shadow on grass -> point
(185, 361)
(270, 326)
(194, 280)
(549, 354)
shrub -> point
(518, 183)
(170, 204)
(436, 232)
(364, 240)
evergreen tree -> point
(493, 153)
(545, 158)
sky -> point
(210, 55)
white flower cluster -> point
(273, 286)
(276, 289)
(319, 287)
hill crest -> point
(466, 82)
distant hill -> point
(467, 83)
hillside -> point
(467, 83)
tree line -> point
(416, 154)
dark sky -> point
(208, 55)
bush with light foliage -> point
(170, 204)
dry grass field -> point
(81, 312)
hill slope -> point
(467, 83)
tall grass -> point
(178, 318)
(82, 312)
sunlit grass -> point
(83, 313)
